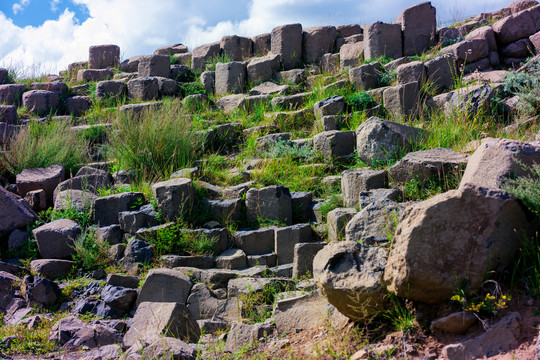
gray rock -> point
(208, 79)
(263, 68)
(334, 105)
(103, 56)
(137, 251)
(373, 224)
(10, 94)
(441, 71)
(165, 285)
(172, 50)
(203, 53)
(17, 239)
(287, 43)
(39, 291)
(232, 259)
(304, 253)
(318, 41)
(411, 72)
(272, 202)
(379, 140)
(86, 182)
(52, 268)
(8, 114)
(402, 100)
(111, 88)
(350, 276)
(143, 88)
(383, 39)
(337, 220)
(241, 335)
(237, 48)
(130, 282)
(378, 195)
(154, 65)
(223, 211)
(119, 297)
(255, 242)
(455, 323)
(40, 178)
(301, 204)
(268, 260)
(335, 144)
(131, 221)
(55, 239)
(230, 77)
(514, 27)
(419, 25)
(286, 238)
(170, 348)
(366, 76)
(353, 182)
(290, 102)
(107, 208)
(14, 213)
(111, 234)
(351, 55)
(269, 88)
(174, 197)
(89, 75)
(262, 44)
(293, 77)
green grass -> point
(42, 144)
(154, 145)
(90, 253)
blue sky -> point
(44, 36)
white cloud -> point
(19, 7)
(141, 26)
(54, 5)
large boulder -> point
(419, 25)
(498, 160)
(287, 42)
(356, 181)
(334, 144)
(153, 320)
(366, 76)
(380, 140)
(55, 239)
(10, 94)
(143, 88)
(372, 224)
(237, 48)
(451, 240)
(107, 208)
(103, 56)
(15, 213)
(230, 77)
(174, 197)
(204, 53)
(350, 276)
(262, 68)
(154, 65)
(40, 179)
(514, 27)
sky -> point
(44, 36)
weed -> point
(42, 144)
(334, 202)
(192, 88)
(527, 188)
(421, 189)
(90, 252)
(402, 316)
(83, 218)
(487, 302)
(360, 101)
(211, 63)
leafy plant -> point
(257, 306)
(84, 219)
(486, 303)
(90, 252)
(192, 88)
(211, 63)
(402, 316)
(360, 101)
(527, 188)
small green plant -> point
(192, 88)
(484, 303)
(527, 188)
(90, 252)
(402, 314)
(334, 202)
(257, 305)
(360, 101)
(83, 218)
(211, 63)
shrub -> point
(41, 144)
(360, 101)
(527, 188)
(84, 219)
(176, 240)
(211, 63)
(155, 144)
(90, 253)
(192, 88)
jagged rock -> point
(353, 182)
(107, 208)
(174, 197)
(286, 42)
(14, 213)
(118, 297)
(64, 329)
(208, 79)
(381, 140)
(303, 258)
(422, 165)
(170, 348)
(335, 144)
(103, 56)
(244, 334)
(497, 160)
(131, 221)
(350, 276)
(172, 50)
(269, 88)
(52, 268)
(366, 76)
(55, 239)
(165, 285)
(337, 220)
(111, 234)
(293, 77)
(39, 291)
(514, 27)
(486, 220)
(130, 282)
(272, 202)
(500, 337)
(40, 178)
(137, 251)
(153, 320)
(203, 305)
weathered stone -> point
(204, 53)
(143, 88)
(380, 140)
(174, 197)
(440, 228)
(131, 221)
(103, 56)
(411, 72)
(498, 160)
(17, 239)
(262, 44)
(130, 282)
(74, 199)
(107, 208)
(350, 276)
(262, 68)
(55, 239)
(224, 211)
(14, 213)
(272, 202)
(402, 100)
(268, 260)
(36, 199)
(484, 32)
(441, 71)
(201, 262)
(172, 50)
(293, 77)
(290, 102)
(237, 48)
(419, 24)
(287, 237)
(383, 40)
(89, 75)
(8, 114)
(351, 55)
(519, 49)
(304, 253)
(10, 94)
(154, 65)
(335, 144)
(111, 88)
(501, 337)
(330, 63)
(337, 220)
(318, 41)
(52, 268)
(455, 323)
(366, 76)
(40, 102)
(230, 77)
(165, 285)
(353, 182)
(514, 27)
(232, 259)
(371, 225)
(153, 320)
(334, 105)
(78, 105)
(140, 109)
(241, 335)
(208, 79)
(118, 297)
(255, 242)
(422, 165)
(169, 348)
(39, 291)
(89, 183)
(301, 204)
(287, 42)
(269, 88)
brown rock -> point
(40, 178)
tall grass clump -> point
(42, 144)
(154, 144)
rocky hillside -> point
(349, 192)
